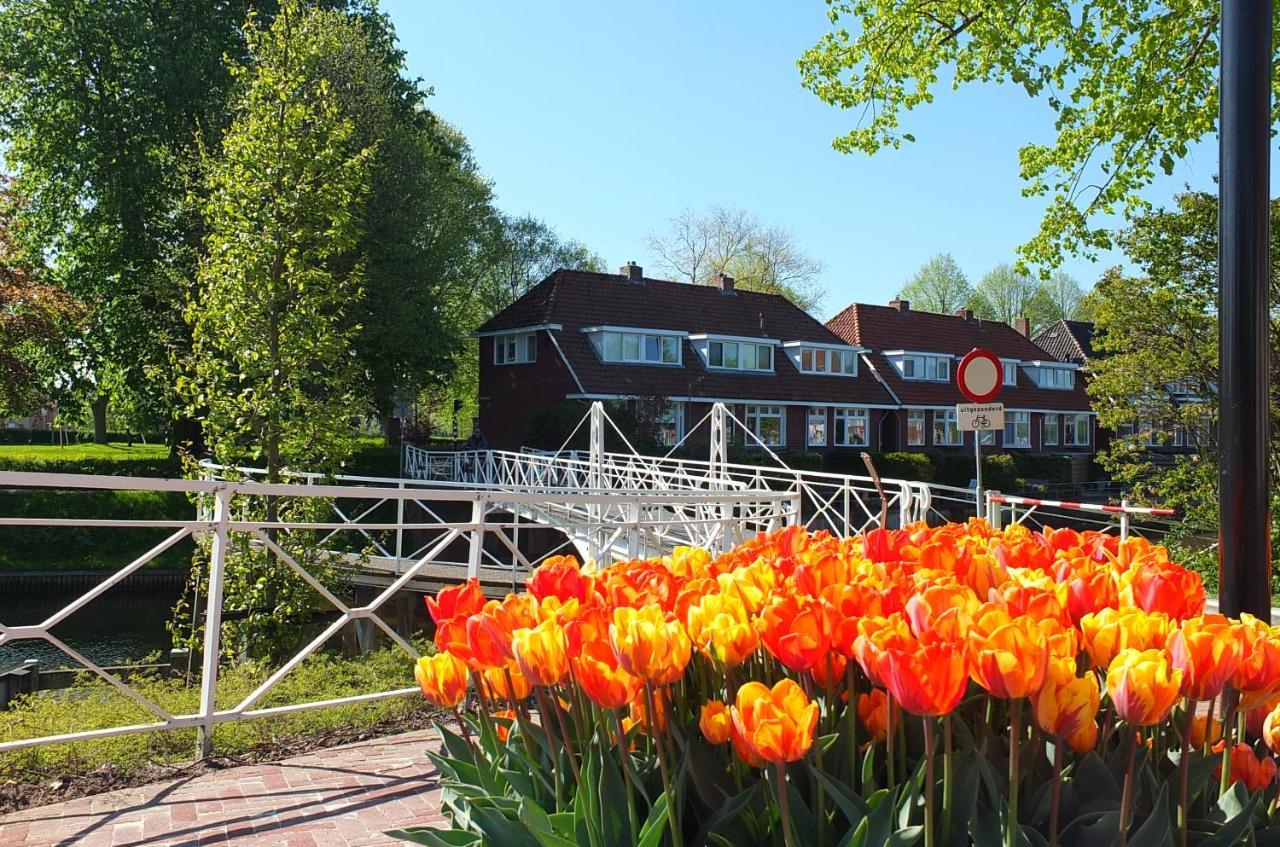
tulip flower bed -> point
(942, 686)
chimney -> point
(967, 314)
(724, 282)
(1023, 326)
(900, 304)
(632, 271)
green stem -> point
(820, 796)
(928, 782)
(851, 726)
(888, 744)
(672, 800)
(1126, 798)
(1184, 767)
(784, 805)
(553, 750)
(624, 758)
(946, 777)
(1015, 750)
(1055, 805)
(1228, 739)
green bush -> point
(795, 459)
(106, 459)
(1038, 466)
(99, 706)
(910, 466)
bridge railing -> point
(482, 542)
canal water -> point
(123, 626)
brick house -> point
(677, 348)
(1072, 341)
(915, 354)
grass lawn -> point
(39, 453)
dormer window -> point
(515, 349)
(735, 354)
(828, 359)
(623, 345)
(1062, 379)
(1010, 370)
(930, 367)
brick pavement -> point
(340, 797)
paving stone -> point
(343, 797)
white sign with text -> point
(980, 416)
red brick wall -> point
(510, 393)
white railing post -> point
(995, 513)
(479, 509)
(213, 621)
(1124, 520)
(399, 529)
(719, 442)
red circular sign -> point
(979, 375)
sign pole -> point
(977, 460)
(1244, 538)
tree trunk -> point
(100, 418)
(187, 435)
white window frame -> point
(806, 360)
(842, 423)
(755, 414)
(522, 347)
(737, 346)
(1009, 372)
(1013, 421)
(924, 367)
(1071, 430)
(1050, 377)
(1045, 439)
(946, 425)
(816, 420)
(642, 344)
(986, 437)
(923, 416)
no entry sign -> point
(979, 375)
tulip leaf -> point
(803, 822)
(1234, 800)
(651, 831)
(909, 796)
(869, 768)
(436, 837)
(1269, 837)
(853, 806)
(499, 829)
(1104, 831)
(1200, 776)
(1156, 830)
(964, 799)
(727, 813)
(1093, 780)
(880, 821)
(539, 823)
(614, 825)
(906, 836)
(1236, 824)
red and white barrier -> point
(1084, 507)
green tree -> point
(1005, 294)
(422, 222)
(1131, 87)
(938, 286)
(271, 372)
(1157, 368)
(102, 109)
(1063, 296)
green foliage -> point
(271, 372)
(98, 706)
(938, 286)
(89, 548)
(1131, 87)
(913, 466)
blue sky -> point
(606, 119)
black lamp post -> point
(1244, 537)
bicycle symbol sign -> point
(980, 416)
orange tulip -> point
(442, 678)
(1008, 658)
(1168, 588)
(873, 712)
(1256, 772)
(777, 723)
(1257, 673)
(1143, 685)
(639, 715)
(501, 618)
(926, 678)
(456, 601)
(1105, 633)
(649, 645)
(796, 630)
(1067, 706)
(720, 627)
(875, 635)
(1200, 728)
(503, 719)
(542, 652)
(495, 682)
(596, 670)
(715, 722)
(560, 577)
(1090, 592)
(944, 608)
(1206, 651)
